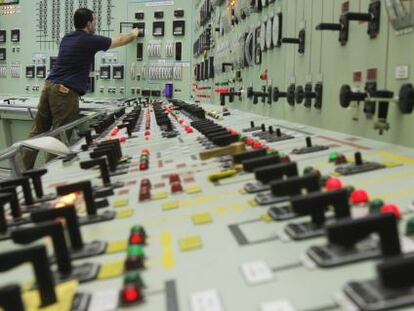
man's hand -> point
(135, 32)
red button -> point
(189, 130)
(266, 148)
(146, 183)
(176, 187)
(122, 139)
(115, 131)
(359, 197)
(136, 239)
(174, 178)
(257, 145)
(391, 208)
(340, 159)
(333, 183)
(144, 194)
(147, 133)
(143, 166)
(145, 151)
(285, 159)
(131, 294)
(180, 122)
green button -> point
(135, 250)
(136, 229)
(375, 205)
(332, 156)
(308, 170)
(349, 189)
(270, 151)
(133, 277)
(409, 229)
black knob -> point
(346, 96)
(358, 158)
(308, 142)
(272, 172)
(250, 165)
(263, 127)
(252, 124)
(299, 94)
(406, 98)
(277, 94)
(271, 130)
(278, 132)
(291, 94)
(295, 185)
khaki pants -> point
(55, 109)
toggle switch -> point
(316, 205)
(359, 166)
(347, 96)
(91, 207)
(52, 229)
(37, 256)
(102, 164)
(23, 182)
(13, 200)
(11, 299)
(268, 173)
(310, 148)
(246, 155)
(349, 240)
(282, 190)
(250, 165)
(392, 289)
(290, 94)
(78, 249)
(307, 94)
(36, 177)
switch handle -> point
(13, 200)
(102, 164)
(11, 298)
(329, 26)
(37, 256)
(53, 229)
(36, 176)
(86, 188)
(24, 182)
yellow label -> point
(116, 246)
(111, 270)
(242, 191)
(159, 195)
(200, 219)
(168, 258)
(190, 243)
(267, 218)
(391, 164)
(170, 205)
(65, 293)
(221, 210)
(193, 189)
(252, 202)
(120, 203)
(125, 213)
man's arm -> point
(124, 39)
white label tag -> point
(307, 262)
(345, 303)
(407, 245)
(206, 301)
(282, 305)
(104, 301)
(257, 272)
(402, 72)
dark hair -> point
(82, 17)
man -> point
(59, 100)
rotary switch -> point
(307, 94)
(346, 96)
(290, 94)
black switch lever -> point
(397, 273)
(101, 163)
(250, 164)
(269, 173)
(372, 17)
(315, 204)
(295, 185)
(36, 176)
(10, 298)
(115, 144)
(307, 94)
(4, 199)
(53, 229)
(13, 200)
(109, 153)
(71, 220)
(88, 137)
(86, 188)
(37, 256)
(300, 40)
(348, 232)
(239, 157)
(24, 182)
(128, 127)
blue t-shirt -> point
(76, 55)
